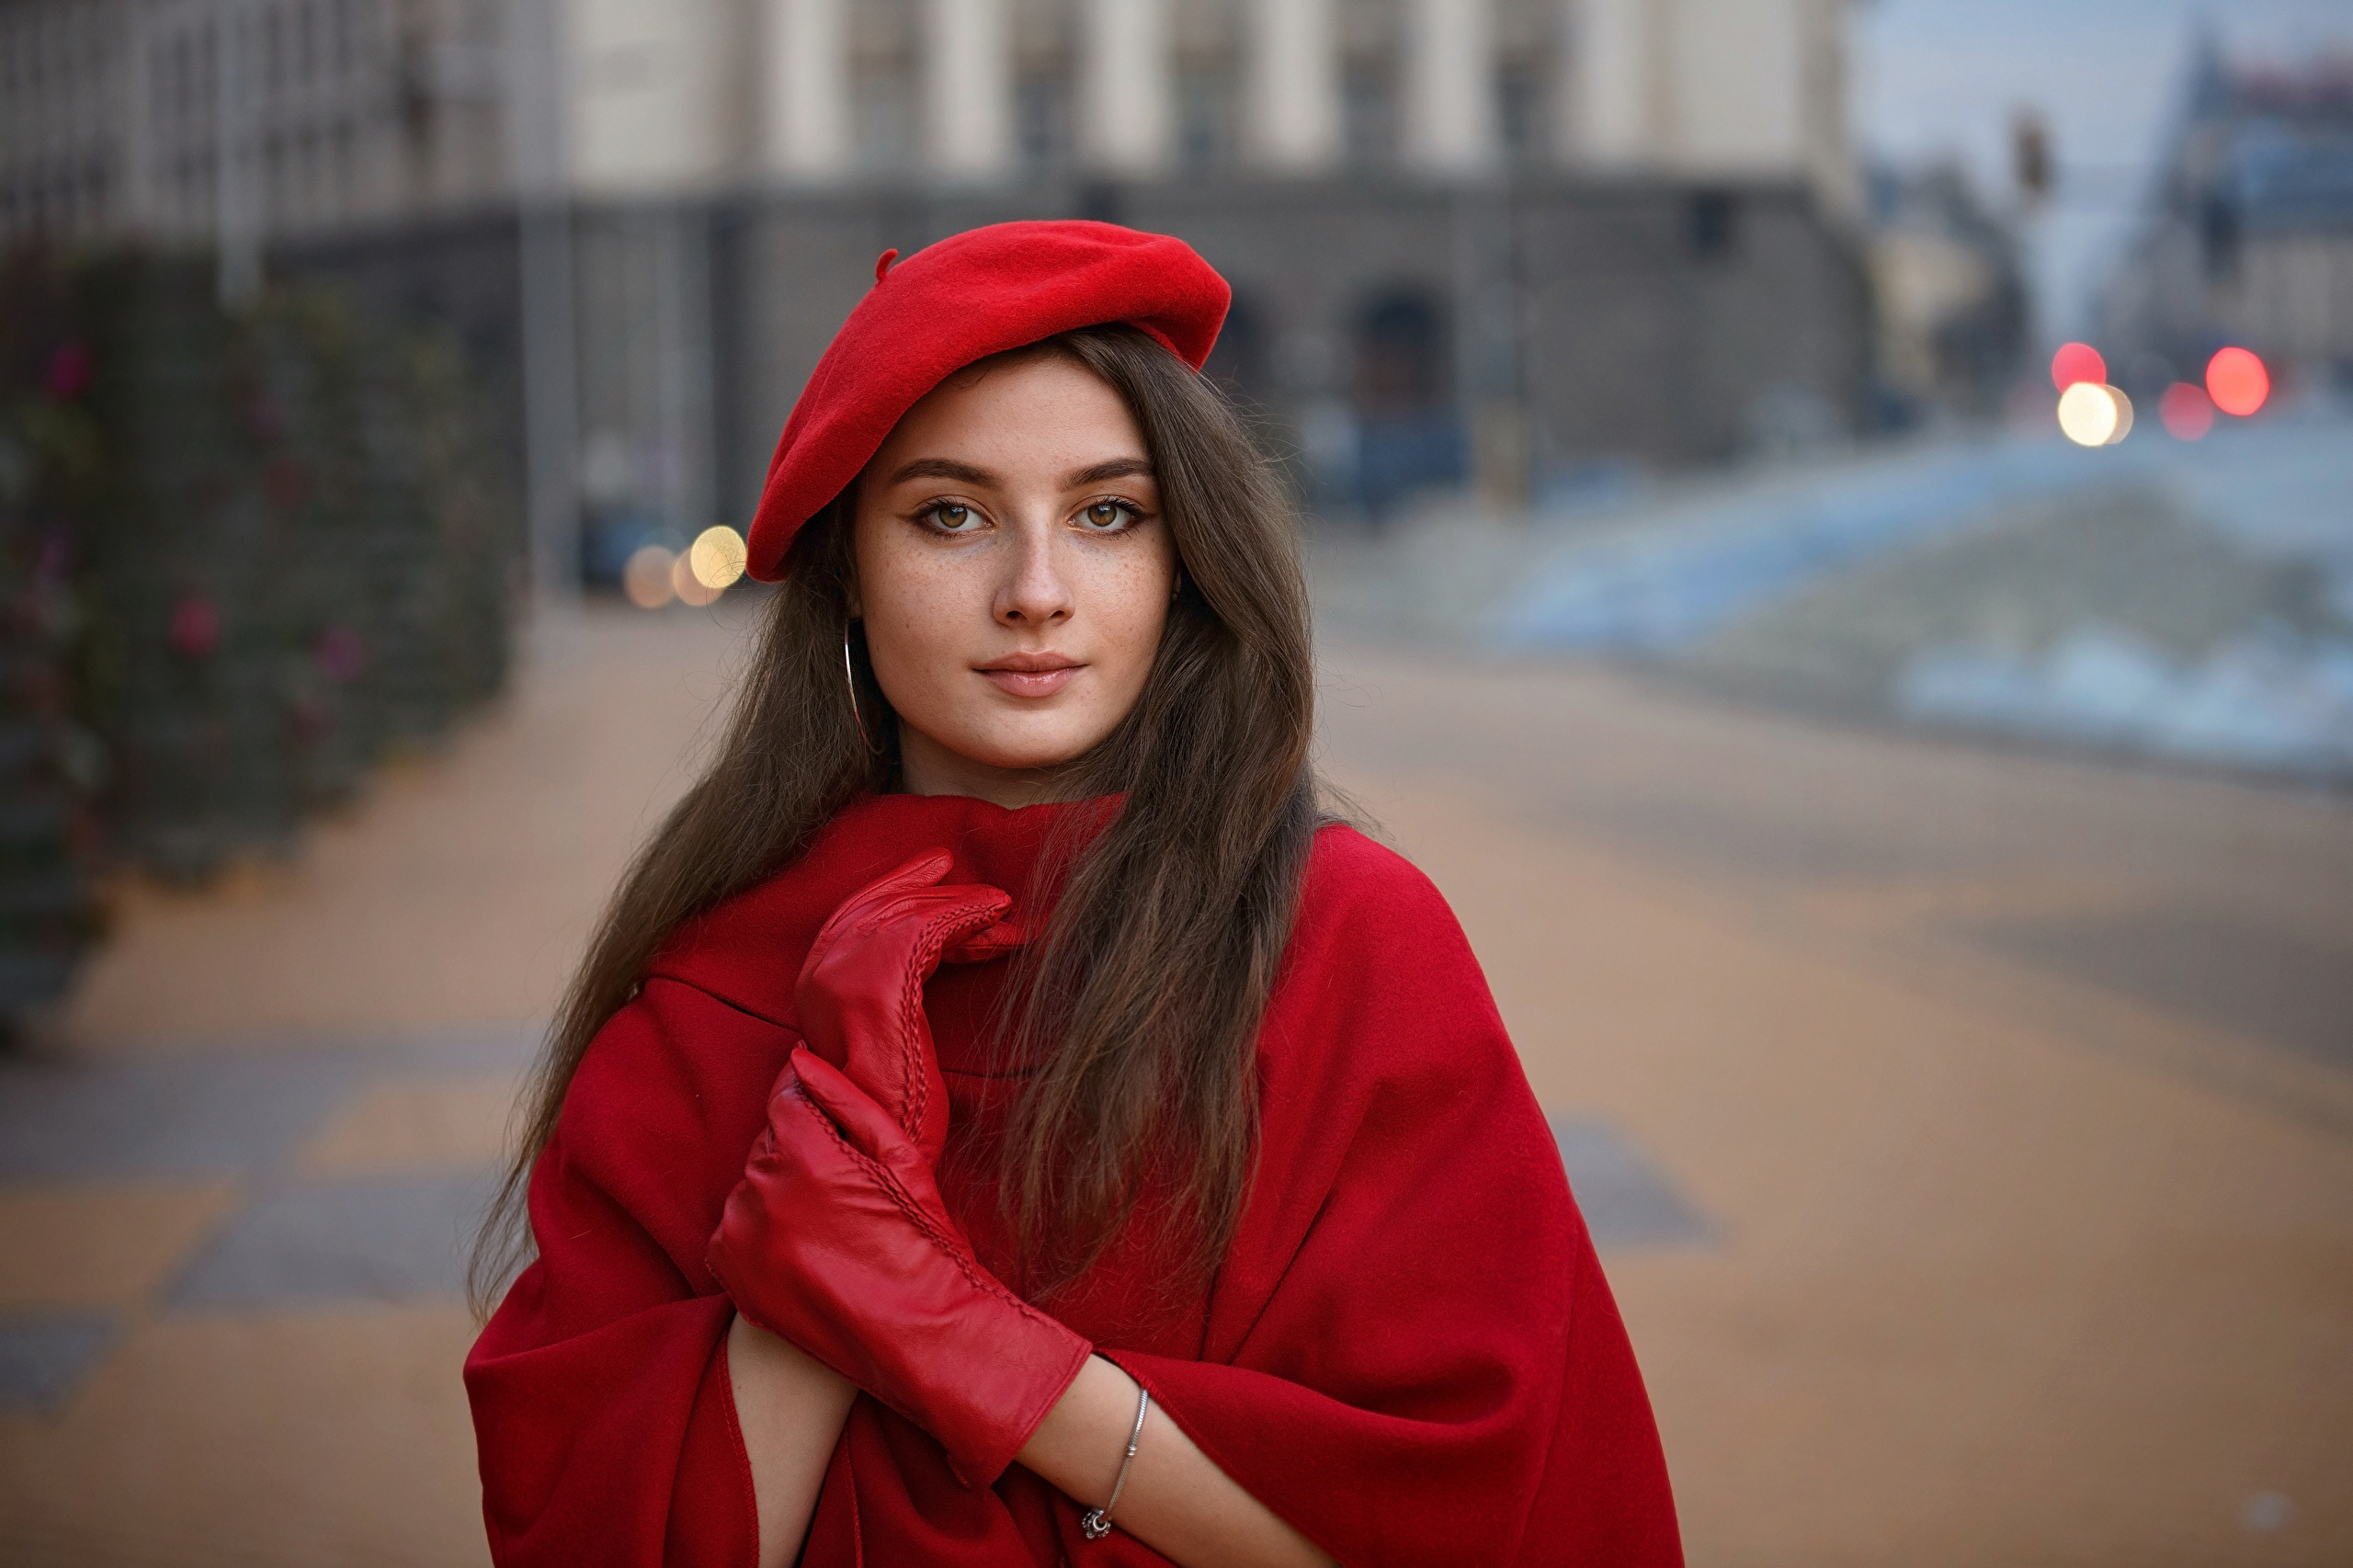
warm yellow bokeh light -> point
(646, 578)
(2089, 414)
(2123, 414)
(717, 556)
(690, 589)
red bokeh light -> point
(2185, 411)
(2077, 362)
(2238, 381)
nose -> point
(1036, 593)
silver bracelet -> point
(1096, 1523)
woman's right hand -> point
(836, 1239)
(859, 998)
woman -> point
(998, 1120)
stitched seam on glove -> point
(884, 1178)
(911, 1019)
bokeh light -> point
(2187, 411)
(690, 589)
(2076, 363)
(2091, 415)
(717, 557)
(2238, 381)
(646, 579)
(2123, 414)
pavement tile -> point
(324, 1438)
(2262, 982)
(44, 1356)
(416, 1122)
(380, 1238)
(203, 1118)
(99, 1245)
(1625, 1199)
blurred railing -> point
(245, 556)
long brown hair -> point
(1139, 1006)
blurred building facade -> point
(1473, 241)
(2250, 234)
(118, 116)
(1948, 289)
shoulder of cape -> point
(1355, 881)
(745, 951)
(1379, 983)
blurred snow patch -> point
(2272, 701)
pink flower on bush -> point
(67, 374)
(195, 627)
(341, 654)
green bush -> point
(249, 554)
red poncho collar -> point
(747, 950)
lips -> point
(1030, 674)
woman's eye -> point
(952, 517)
(1102, 517)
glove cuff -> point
(1028, 1372)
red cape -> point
(1410, 1352)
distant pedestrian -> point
(1000, 1119)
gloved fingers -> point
(909, 914)
(858, 912)
(870, 1130)
(868, 995)
(956, 916)
(896, 925)
(1009, 934)
(817, 1111)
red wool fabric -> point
(978, 293)
(1410, 1353)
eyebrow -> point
(941, 468)
(1118, 468)
(966, 473)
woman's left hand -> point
(858, 1002)
(838, 1240)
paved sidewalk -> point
(231, 1212)
(1967, 1134)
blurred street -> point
(1833, 544)
(1968, 1131)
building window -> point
(883, 119)
(1408, 437)
(1711, 224)
(1041, 121)
(1238, 360)
(1369, 116)
(1520, 117)
(344, 198)
(1205, 138)
(2218, 235)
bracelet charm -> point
(1096, 1523)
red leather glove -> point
(836, 1237)
(838, 1240)
(859, 997)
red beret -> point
(978, 293)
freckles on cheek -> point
(922, 624)
(1140, 610)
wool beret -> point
(974, 294)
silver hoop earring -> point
(850, 674)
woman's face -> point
(1014, 573)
